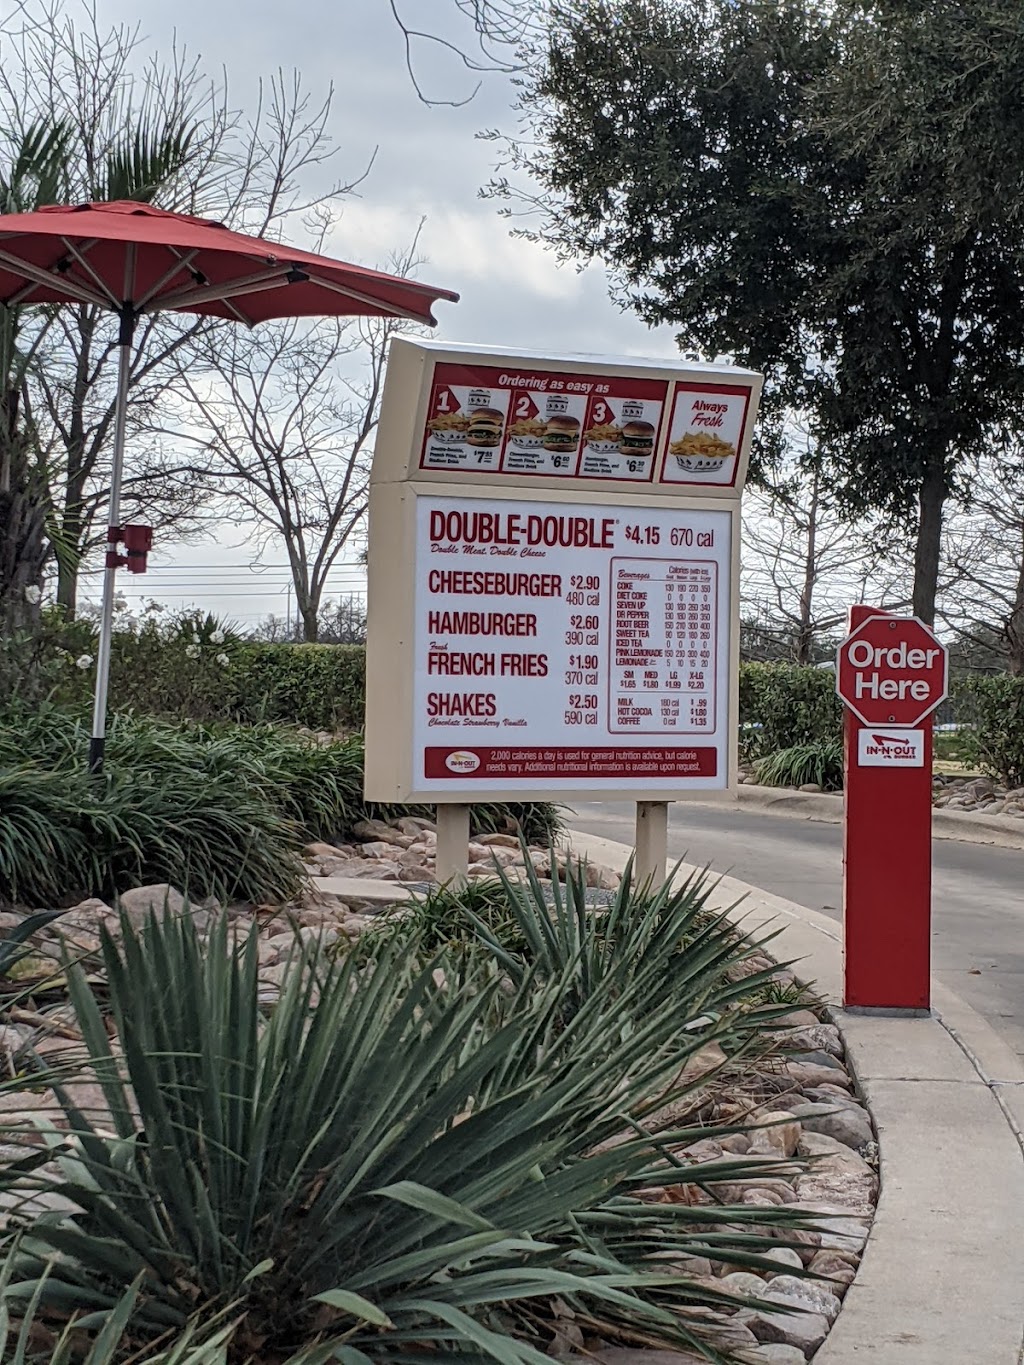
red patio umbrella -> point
(134, 259)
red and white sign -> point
(564, 645)
(890, 748)
(891, 670)
(483, 419)
(891, 673)
(706, 433)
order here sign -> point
(553, 576)
(892, 671)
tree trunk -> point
(1015, 626)
(805, 635)
(67, 584)
(310, 623)
(928, 549)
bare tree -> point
(486, 35)
(156, 129)
(984, 604)
(287, 418)
(804, 564)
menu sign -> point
(487, 419)
(705, 434)
(567, 645)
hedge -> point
(785, 705)
(991, 712)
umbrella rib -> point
(79, 256)
(393, 309)
(180, 263)
(76, 288)
(215, 293)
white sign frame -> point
(399, 483)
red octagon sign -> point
(892, 670)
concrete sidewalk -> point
(1004, 831)
(942, 1280)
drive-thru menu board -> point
(600, 657)
(549, 610)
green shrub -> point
(992, 710)
(782, 705)
(418, 1168)
(189, 818)
(215, 810)
(820, 762)
(322, 687)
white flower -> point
(217, 638)
(33, 594)
(223, 660)
(83, 662)
(192, 651)
(196, 641)
(120, 602)
(155, 606)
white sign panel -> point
(890, 747)
(569, 646)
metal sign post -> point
(891, 674)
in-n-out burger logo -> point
(896, 748)
(892, 746)
(512, 528)
(462, 761)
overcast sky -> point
(429, 164)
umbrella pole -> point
(97, 743)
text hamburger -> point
(485, 426)
(637, 438)
(562, 434)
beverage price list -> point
(570, 645)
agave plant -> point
(407, 1159)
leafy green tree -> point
(830, 192)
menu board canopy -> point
(465, 414)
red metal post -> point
(887, 874)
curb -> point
(942, 1278)
(1005, 831)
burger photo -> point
(485, 426)
(637, 439)
(562, 434)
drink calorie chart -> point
(569, 644)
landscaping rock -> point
(850, 1126)
(140, 900)
(743, 1284)
(831, 1155)
(320, 850)
(783, 1256)
(807, 1074)
(498, 840)
(416, 825)
(837, 1265)
(854, 1192)
(788, 1289)
(378, 830)
(366, 867)
(776, 1354)
(781, 1137)
(804, 1330)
